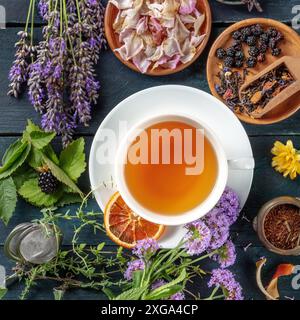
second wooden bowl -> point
(290, 47)
(114, 43)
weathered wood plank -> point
(280, 10)
(118, 82)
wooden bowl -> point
(114, 43)
(290, 46)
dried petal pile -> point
(161, 33)
(59, 70)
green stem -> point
(28, 15)
(79, 18)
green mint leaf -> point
(164, 293)
(23, 174)
(61, 176)
(8, 199)
(131, 294)
(68, 198)
(72, 159)
(35, 158)
(32, 127)
(3, 292)
(32, 193)
(156, 292)
(40, 139)
(13, 152)
(49, 152)
(6, 170)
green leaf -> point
(100, 246)
(32, 127)
(108, 293)
(35, 158)
(8, 199)
(32, 193)
(3, 292)
(131, 294)
(58, 294)
(12, 154)
(68, 198)
(72, 159)
(157, 291)
(137, 278)
(41, 139)
(23, 174)
(164, 293)
(49, 152)
(61, 175)
(9, 170)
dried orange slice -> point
(125, 227)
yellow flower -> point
(286, 160)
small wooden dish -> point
(114, 43)
(290, 46)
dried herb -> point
(259, 93)
(282, 226)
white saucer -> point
(172, 99)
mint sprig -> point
(22, 161)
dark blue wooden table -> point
(118, 82)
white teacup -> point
(220, 183)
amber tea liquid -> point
(166, 188)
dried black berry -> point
(231, 52)
(276, 52)
(257, 30)
(264, 38)
(279, 36)
(221, 53)
(229, 62)
(239, 63)
(261, 57)
(251, 62)
(272, 43)
(47, 182)
(239, 55)
(251, 41)
(236, 35)
(253, 51)
(272, 32)
(263, 47)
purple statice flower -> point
(18, 73)
(132, 266)
(225, 280)
(197, 238)
(226, 255)
(218, 225)
(43, 7)
(145, 248)
(229, 204)
(160, 282)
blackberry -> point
(279, 36)
(245, 33)
(221, 53)
(47, 182)
(272, 43)
(251, 41)
(229, 62)
(230, 52)
(264, 38)
(236, 35)
(257, 30)
(276, 52)
(261, 57)
(272, 32)
(239, 63)
(263, 47)
(220, 90)
(251, 62)
(239, 55)
(253, 51)
(237, 45)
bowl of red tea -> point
(278, 225)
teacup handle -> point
(241, 164)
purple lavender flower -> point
(145, 248)
(224, 279)
(160, 282)
(132, 266)
(226, 255)
(197, 238)
(218, 225)
(229, 204)
(43, 7)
